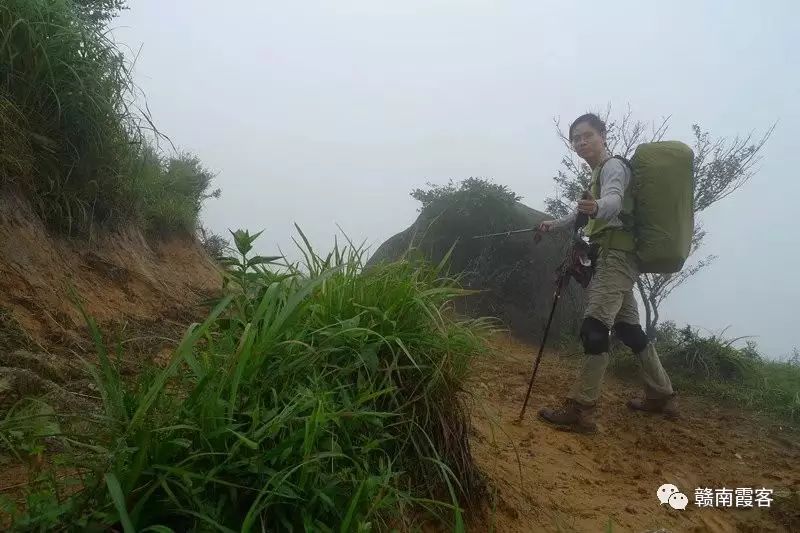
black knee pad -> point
(594, 335)
(632, 335)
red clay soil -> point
(549, 480)
(120, 276)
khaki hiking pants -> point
(610, 300)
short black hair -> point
(593, 120)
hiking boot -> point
(667, 406)
(573, 416)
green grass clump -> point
(314, 397)
(72, 136)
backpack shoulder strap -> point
(625, 162)
(600, 171)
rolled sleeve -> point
(565, 221)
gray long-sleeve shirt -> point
(614, 179)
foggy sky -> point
(332, 112)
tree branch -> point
(722, 167)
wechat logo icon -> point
(671, 495)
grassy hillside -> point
(73, 139)
(713, 366)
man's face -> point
(587, 141)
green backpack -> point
(662, 187)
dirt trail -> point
(550, 480)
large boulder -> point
(516, 275)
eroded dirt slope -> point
(120, 276)
(549, 480)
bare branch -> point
(722, 166)
(659, 132)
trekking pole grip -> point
(582, 218)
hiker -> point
(610, 299)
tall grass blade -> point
(118, 498)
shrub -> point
(710, 357)
(215, 245)
(167, 193)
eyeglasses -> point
(586, 137)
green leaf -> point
(247, 442)
(370, 356)
(348, 522)
(261, 260)
(115, 490)
(244, 241)
(210, 521)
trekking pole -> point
(563, 277)
(505, 233)
(559, 285)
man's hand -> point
(588, 205)
(546, 226)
